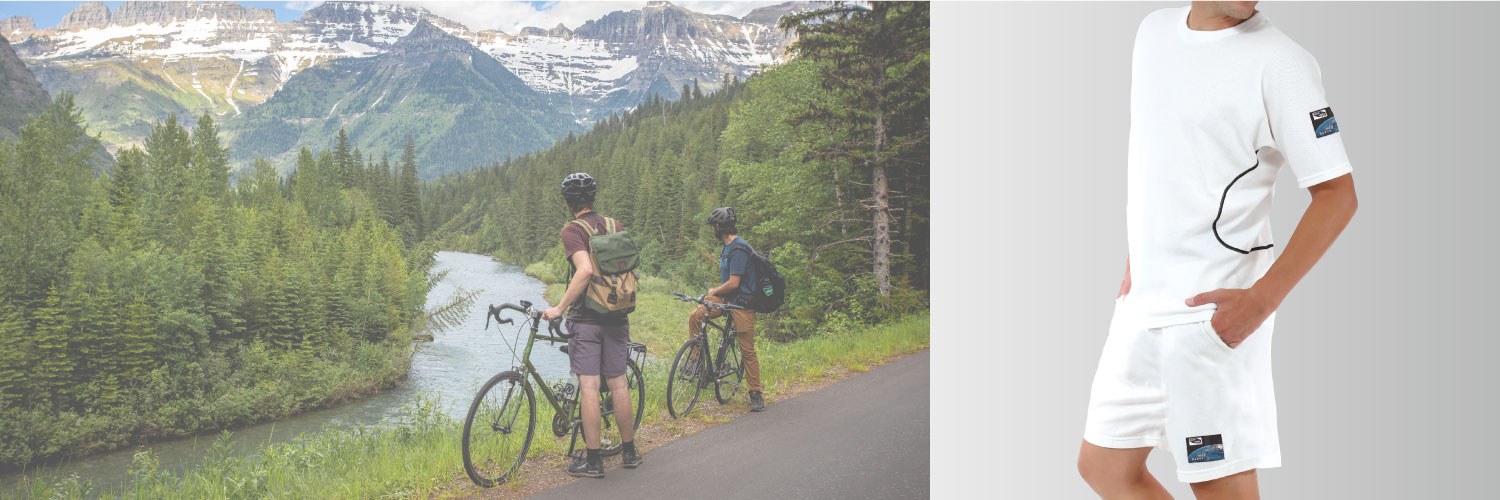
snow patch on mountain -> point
(229, 92)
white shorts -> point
(1181, 387)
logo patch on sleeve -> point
(1323, 123)
(1205, 448)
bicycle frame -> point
(557, 402)
(716, 356)
(530, 369)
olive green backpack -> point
(611, 290)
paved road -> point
(865, 438)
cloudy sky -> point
(509, 17)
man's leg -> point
(624, 417)
(1241, 486)
(744, 325)
(695, 319)
(588, 390)
(1119, 474)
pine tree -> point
(209, 250)
(387, 193)
(44, 180)
(410, 197)
(345, 160)
(15, 352)
(878, 62)
(51, 369)
(210, 159)
(279, 328)
(169, 152)
(137, 340)
(125, 197)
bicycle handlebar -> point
(688, 298)
(553, 326)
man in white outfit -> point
(1220, 101)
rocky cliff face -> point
(771, 14)
(133, 13)
(88, 15)
(16, 28)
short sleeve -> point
(574, 241)
(737, 262)
(1303, 125)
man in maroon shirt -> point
(600, 345)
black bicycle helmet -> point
(579, 185)
(721, 215)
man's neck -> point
(581, 212)
(1205, 18)
(729, 238)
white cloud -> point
(510, 17)
(302, 6)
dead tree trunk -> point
(881, 188)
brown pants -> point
(744, 326)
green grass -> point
(420, 456)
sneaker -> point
(582, 468)
(756, 402)
(631, 459)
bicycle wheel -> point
(685, 379)
(730, 372)
(499, 428)
(610, 439)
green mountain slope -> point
(21, 96)
(459, 104)
(124, 98)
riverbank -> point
(419, 455)
(234, 388)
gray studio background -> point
(1385, 355)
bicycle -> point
(488, 448)
(690, 373)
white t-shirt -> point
(1214, 115)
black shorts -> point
(592, 344)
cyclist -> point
(736, 276)
(601, 340)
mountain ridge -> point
(461, 107)
(132, 66)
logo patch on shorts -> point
(1323, 123)
(1205, 448)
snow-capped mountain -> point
(221, 57)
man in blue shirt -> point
(737, 277)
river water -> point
(448, 370)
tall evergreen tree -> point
(44, 179)
(877, 65)
(15, 352)
(411, 201)
(210, 251)
(137, 340)
(51, 370)
(345, 160)
(210, 161)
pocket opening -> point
(1225, 197)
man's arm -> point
(737, 262)
(585, 269)
(1241, 312)
(727, 286)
